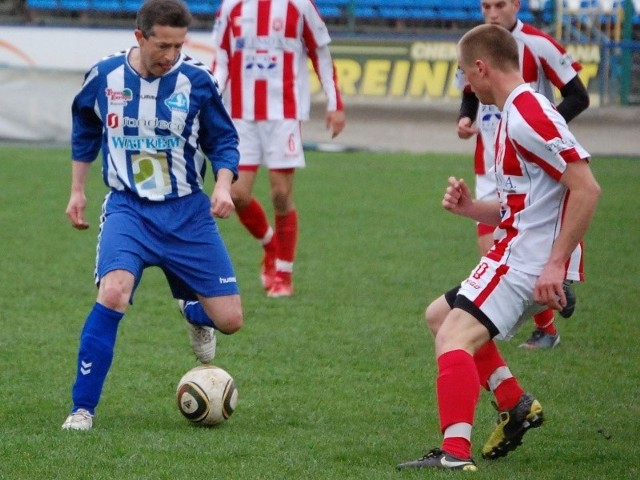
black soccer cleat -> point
(436, 458)
(568, 309)
(512, 425)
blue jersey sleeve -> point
(86, 134)
(219, 138)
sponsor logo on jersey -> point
(267, 43)
(113, 121)
(119, 97)
(261, 62)
(227, 280)
(138, 143)
(556, 145)
(178, 101)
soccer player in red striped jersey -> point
(262, 52)
(547, 196)
(545, 65)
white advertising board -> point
(60, 48)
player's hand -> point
(335, 121)
(548, 289)
(457, 197)
(221, 204)
(465, 128)
(75, 211)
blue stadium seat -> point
(203, 7)
(75, 4)
(333, 8)
(365, 12)
(107, 5)
(43, 4)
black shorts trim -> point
(463, 303)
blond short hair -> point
(491, 43)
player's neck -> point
(136, 62)
(507, 84)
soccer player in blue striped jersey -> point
(157, 116)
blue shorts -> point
(179, 236)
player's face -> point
(500, 12)
(158, 52)
(477, 81)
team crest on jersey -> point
(119, 97)
(178, 101)
(277, 24)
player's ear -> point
(139, 35)
(481, 66)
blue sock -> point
(196, 315)
(97, 342)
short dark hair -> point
(492, 43)
(170, 13)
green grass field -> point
(334, 383)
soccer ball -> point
(207, 395)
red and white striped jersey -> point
(544, 64)
(262, 53)
(532, 149)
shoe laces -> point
(203, 334)
(537, 335)
(435, 452)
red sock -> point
(494, 375)
(488, 360)
(254, 218)
(544, 321)
(287, 237)
(458, 391)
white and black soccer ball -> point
(207, 395)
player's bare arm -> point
(77, 200)
(221, 202)
(335, 122)
(583, 195)
(458, 199)
(465, 128)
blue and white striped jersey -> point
(155, 133)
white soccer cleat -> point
(202, 339)
(81, 419)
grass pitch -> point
(334, 383)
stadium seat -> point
(43, 4)
(80, 5)
(108, 5)
(203, 7)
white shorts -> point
(271, 143)
(503, 294)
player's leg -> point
(457, 389)
(254, 218)
(283, 154)
(201, 276)
(117, 268)
(249, 210)
(286, 223)
(545, 334)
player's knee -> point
(240, 200)
(230, 322)
(114, 297)
(282, 201)
(434, 317)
